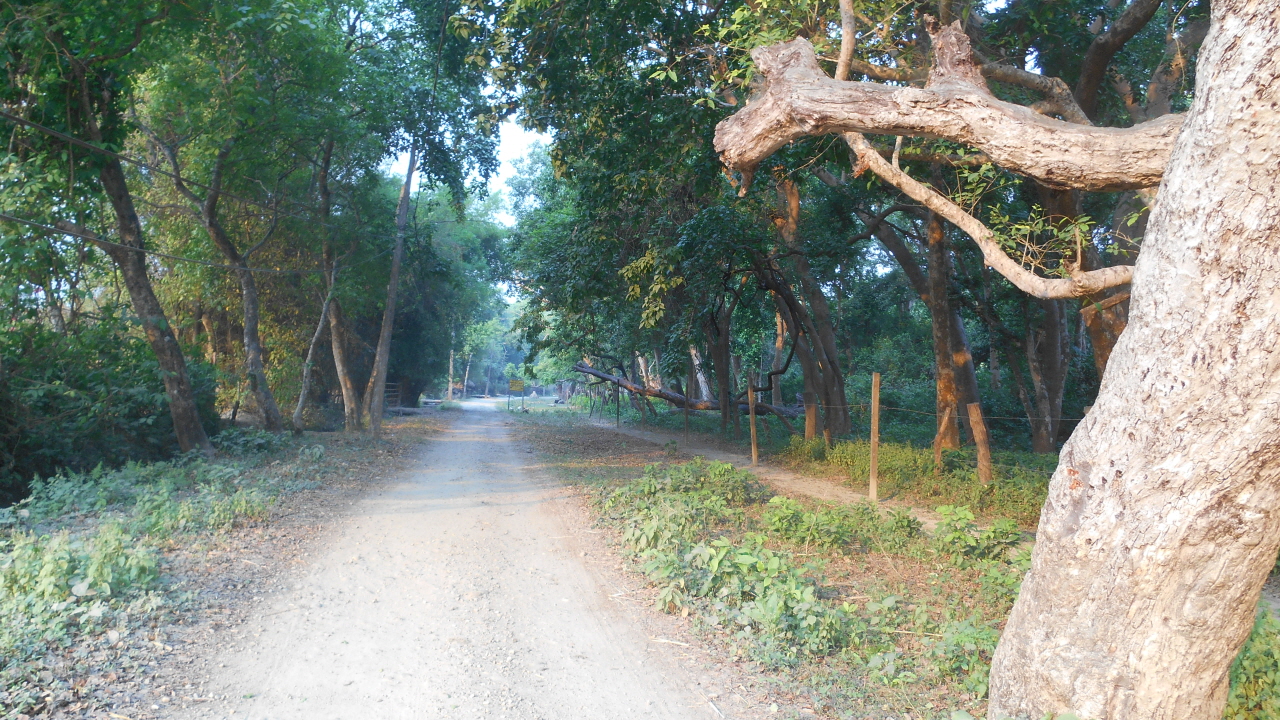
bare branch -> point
(1079, 284)
(669, 395)
(800, 100)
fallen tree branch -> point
(676, 398)
(800, 100)
(1080, 284)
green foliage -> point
(965, 651)
(248, 441)
(56, 588)
(81, 555)
(690, 527)
(82, 399)
(1255, 674)
(1018, 490)
(959, 536)
(837, 527)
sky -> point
(513, 144)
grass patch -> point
(906, 473)
(799, 588)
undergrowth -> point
(80, 558)
(760, 572)
(719, 547)
(1017, 492)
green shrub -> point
(959, 536)
(92, 396)
(737, 487)
(248, 441)
(1255, 674)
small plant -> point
(248, 441)
(958, 535)
(964, 651)
(1255, 674)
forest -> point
(1058, 214)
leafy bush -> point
(1255, 674)
(56, 587)
(959, 536)
(965, 650)
(839, 526)
(94, 396)
(737, 487)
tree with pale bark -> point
(1161, 523)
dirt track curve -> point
(456, 591)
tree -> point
(1163, 517)
(73, 66)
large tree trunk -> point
(254, 356)
(830, 383)
(1163, 518)
(720, 346)
(779, 341)
(946, 394)
(133, 270)
(309, 363)
(955, 352)
(376, 395)
(700, 373)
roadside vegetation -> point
(853, 610)
(85, 560)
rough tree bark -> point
(375, 395)
(779, 341)
(940, 315)
(800, 100)
(1163, 518)
(309, 363)
(719, 331)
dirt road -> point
(456, 591)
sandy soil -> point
(464, 588)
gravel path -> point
(455, 592)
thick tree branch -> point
(1080, 284)
(1105, 46)
(1058, 98)
(670, 396)
(800, 100)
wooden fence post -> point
(979, 428)
(751, 412)
(617, 413)
(874, 490)
(937, 441)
